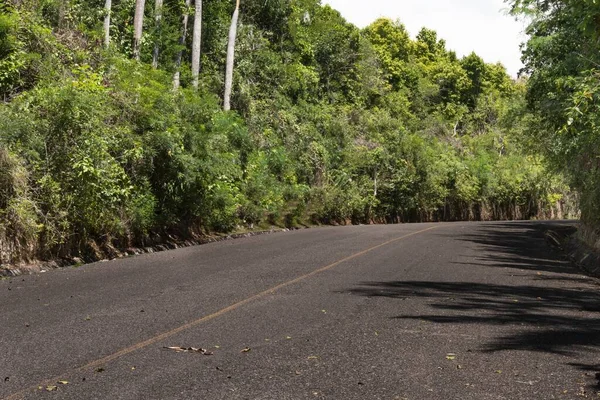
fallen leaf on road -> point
(499, 371)
(179, 349)
(288, 337)
(99, 369)
(88, 318)
(530, 383)
(246, 350)
(450, 356)
(313, 357)
(51, 388)
(63, 382)
(176, 348)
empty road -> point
(417, 312)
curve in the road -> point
(232, 307)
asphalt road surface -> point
(419, 312)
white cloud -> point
(466, 25)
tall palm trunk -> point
(230, 57)
(184, 24)
(197, 42)
(158, 6)
(107, 11)
(138, 26)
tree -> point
(107, 11)
(562, 57)
(477, 71)
(138, 26)
(427, 46)
(392, 44)
(157, 18)
(184, 24)
(196, 42)
(230, 57)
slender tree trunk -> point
(184, 24)
(375, 186)
(138, 26)
(158, 9)
(107, 10)
(230, 57)
(63, 9)
(197, 42)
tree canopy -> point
(562, 59)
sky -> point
(482, 26)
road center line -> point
(235, 306)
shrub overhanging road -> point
(429, 311)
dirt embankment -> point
(584, 250)
(578, 245)
(36, 266)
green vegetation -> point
(563, 59)
(330, 124)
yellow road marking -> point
(165, 335)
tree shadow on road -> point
(557, 320)
(590, 369)
(555, 313)
(520, 245)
